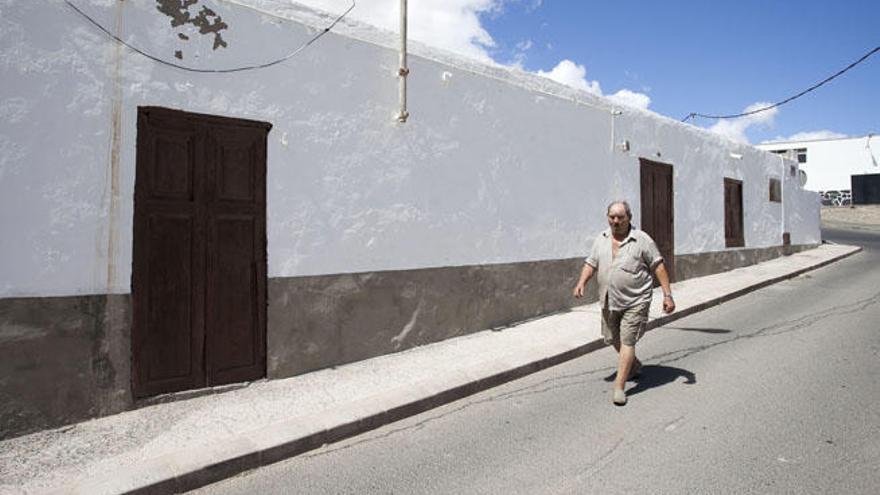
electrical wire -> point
(791, 98)
(214, 71)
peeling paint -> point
(206, 20)
(398, 339)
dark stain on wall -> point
(206, 20)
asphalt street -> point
(773, 392)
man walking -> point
(624, 257)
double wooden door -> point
(199, 270)
(658, 215)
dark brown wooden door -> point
(199, 271)
(733, 213)
(658, 213)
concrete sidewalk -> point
(177, 446)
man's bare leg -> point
(624, 364)
(636, 364)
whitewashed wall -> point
(494, 165)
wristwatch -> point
(667, 296)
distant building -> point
(830, 163)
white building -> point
(165, 229)
(829, 163)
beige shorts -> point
(626, 326)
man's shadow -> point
(656, 375)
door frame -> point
(740, 240)
(646, 165)
(199, 127)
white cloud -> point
(735, 129)
(631, 99)
(575, 75)
(808, 136)
(453, 25)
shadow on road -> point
(703, 330)
(655, 375)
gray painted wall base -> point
(322, 321)
(62, 360)
(66, 359)
(702, 264)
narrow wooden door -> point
(658, 213)
(199, 251)
(236, 254)
(733, 213)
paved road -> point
(774, 392)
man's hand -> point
(663, 277)
(586, 274)
(668, 304)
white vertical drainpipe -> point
(614, 113)
(782, 190)
(403, 71)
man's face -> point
(617, 219)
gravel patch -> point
(861, 217)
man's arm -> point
(586, 274)
(663, 277)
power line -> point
(214, 71)
(791, 98)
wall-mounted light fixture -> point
(623, 145)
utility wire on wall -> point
(215, 71)
(791, 98)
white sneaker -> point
(619, 397)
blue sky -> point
(709, 56)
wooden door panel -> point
(167, 289)
(236, 170)
(235, 350)
(172, 165)
(173, 351)
(236, 342)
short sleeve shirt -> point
(625, 280)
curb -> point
(206, 464)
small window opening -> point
(775, 190)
